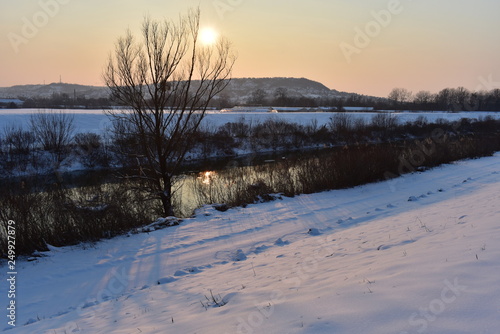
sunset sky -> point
(362, 46)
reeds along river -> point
(63, 209)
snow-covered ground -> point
(360, 260)
(98, 122)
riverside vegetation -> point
(50, 210)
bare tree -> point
(17, 140)
(167, 79)
(341, 125)
(91, 150)
(281, 96)
(258, 97)
(462, 99)
(444, 99)
(423, 97)
(54, 131)
(18, 146)
(400, 95)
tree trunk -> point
(166, 198)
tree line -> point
(65, 101)
(448, 99)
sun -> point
(208, 36)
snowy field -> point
(360, 260)
(96, 121)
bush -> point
(53, 131)
(90, 150)
(17, 149)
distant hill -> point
(243, 88)
(45, 91)
(239, 89)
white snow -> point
(97, 121)
(360, 260)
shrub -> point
(91, 151)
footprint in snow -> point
(239, 256)
(188, 271)
(280, 242)
(166, 280)
(412, 199)
(259, 249)
(390, 206)
(313, 231)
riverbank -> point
(423, 246)
(60, 213)
(52, 210)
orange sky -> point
(363, 46)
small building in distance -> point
(249, 109)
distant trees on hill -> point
(63, 100)
(448, 99)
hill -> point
(239, 89)
(47, 91)
(243, 88)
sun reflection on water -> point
(206, 177)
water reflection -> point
(233, 183)
(207, 177)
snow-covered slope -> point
(239, 89)
(361, 260)
(47, 91)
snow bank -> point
(361, 260)
(96, 121)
